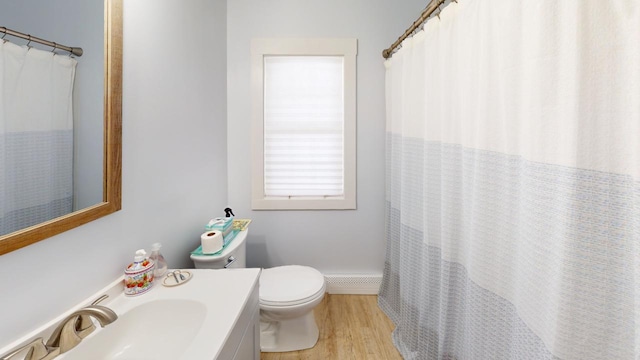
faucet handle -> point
(84, 325)
(65, 335)
(37, 351)
(98, 300)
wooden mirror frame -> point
(112, 180)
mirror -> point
(112, 154)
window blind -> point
(303, 126)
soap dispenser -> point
(138, 276)
(158, 259)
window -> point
(304, 124)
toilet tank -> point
(233, 256)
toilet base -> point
(289, 335)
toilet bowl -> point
(288, 295)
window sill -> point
(303, 204)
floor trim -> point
(353, 284)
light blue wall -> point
(346, 242)
(178, 167)
(174, 156)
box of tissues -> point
(222, 224)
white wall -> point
(346, 242)
(174, 156)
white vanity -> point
(212, 315)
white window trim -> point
(300, 47)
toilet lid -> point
(290, 285)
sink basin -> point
(214, 315)
(160, 329)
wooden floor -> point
(352, 327)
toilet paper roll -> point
(212, 242)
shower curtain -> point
(36, 136)
(513, 182)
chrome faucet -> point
(65, 335)
(68, 334)
(36, 351)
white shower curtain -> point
(513, 182)
(36, 136)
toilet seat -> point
(291, 285)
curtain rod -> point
(73, 50)
(431, 7)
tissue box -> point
(222, 224)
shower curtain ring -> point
(55, 46)
(29, 40)
(439, 10)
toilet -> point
(288, 295)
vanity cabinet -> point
(243, 342)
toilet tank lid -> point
(283, 284)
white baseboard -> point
(353, 284)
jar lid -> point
(139, 266)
